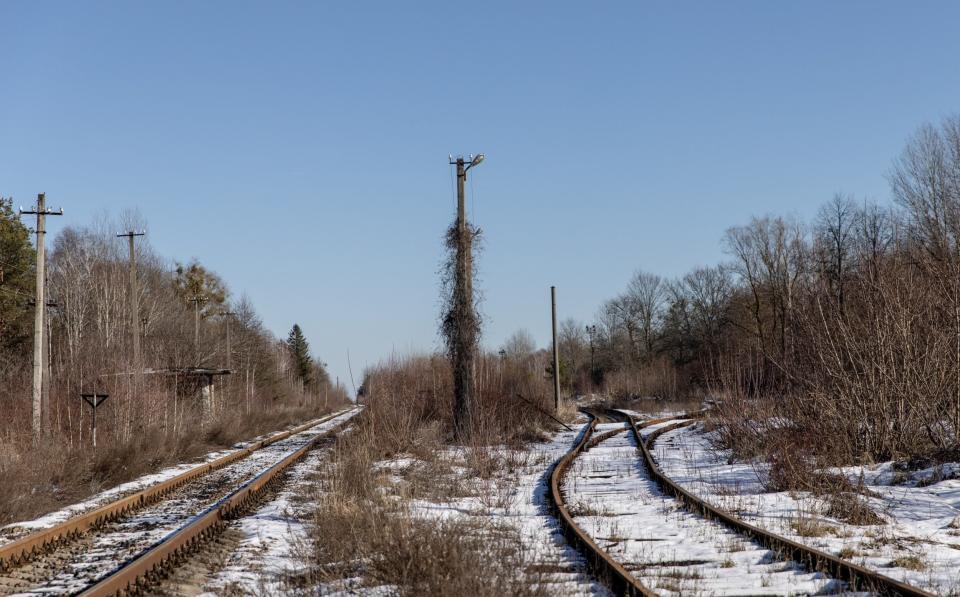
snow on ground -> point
(639, 417)
(16, 530)
(274, 538)
(920, 544)
(669, 549)
(523, 504)
(515, 495)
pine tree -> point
(300, 350)
(16, 280)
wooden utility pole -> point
(134, 307)
(462, 320)
(40, 312)
(197, 300)
(592, 332)
(556, 351)
(227, 315)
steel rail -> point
(858, 577)
(23, 549)
(603, 566)
(151, 564)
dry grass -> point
(910, 562)
(419, 390)
(811, 527)
(363, 529)
(852, 509)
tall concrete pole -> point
(556, 352)
(463, 349)
(40, 312)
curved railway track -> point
(125, 545)
(620, 580)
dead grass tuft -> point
(911, 562)
(811, 527)
(852, 509)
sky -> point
(300, 149)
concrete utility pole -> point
(40, 313)
(462, 316)
(47, 366)
(134, 307)
(556, 352)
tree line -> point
(847, 325)
(188, 318)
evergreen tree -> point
(17, 277)
(300, 350)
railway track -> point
(125, 545)
(673, 541)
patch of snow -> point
(522, 504)
(920, 544)
(669, 549)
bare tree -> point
(834, 243)
(520, 345)
(770, 257)
(926, 181)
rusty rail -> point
(601, 564)
(23, 549)
(858, 577)
(150, 565)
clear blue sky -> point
(300, 148)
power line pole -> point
(461, 323)
(228, 315)
(591, 332)
(134, 306)
(556, 352)
(40, 313)
(47, 367)
(197, 300)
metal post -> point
(556, 352)
(40, 312)
(94, 400)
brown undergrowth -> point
(365, 533)
(513, 406)
(798, 457)
(39, 479)
(374, 524)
